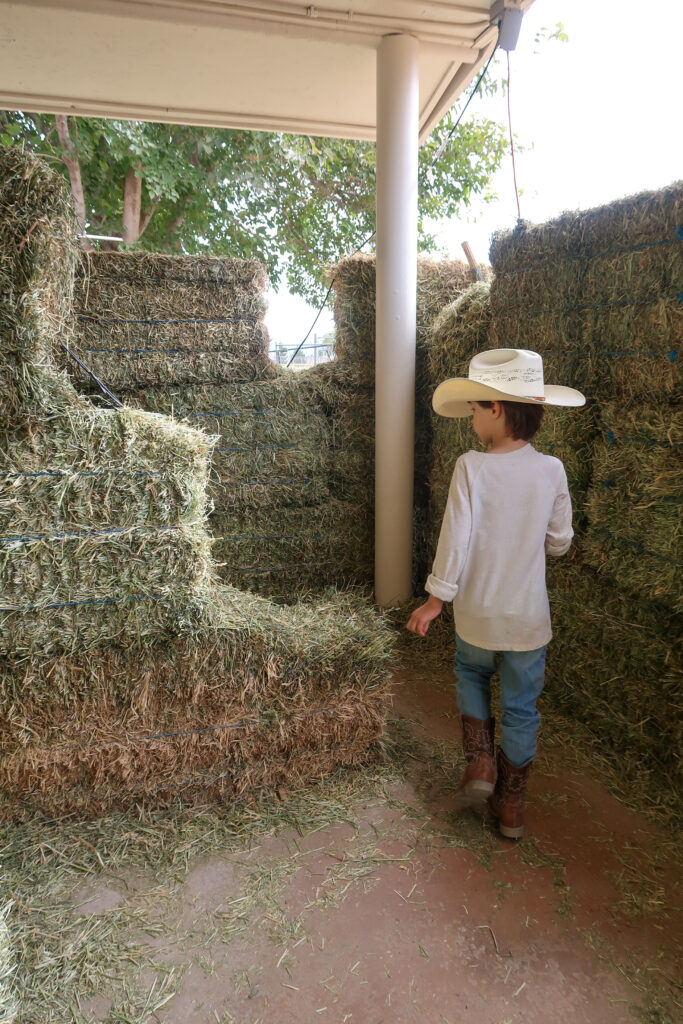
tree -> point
(297, 203)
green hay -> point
(569, 435)
(597, 293)
(122, 659)
(459, 331)
(635, 535)
(282, 552)
(143, 319)
(354, 307)
(8, 1002)
(273, 444)
(614, 662)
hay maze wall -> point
(292, 479)
(600, 295)
(128, 671)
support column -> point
(397, 152)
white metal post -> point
(397, 152)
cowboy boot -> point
(507, 801)
(480, 771)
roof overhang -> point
(272, 65)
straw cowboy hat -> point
(502, 375)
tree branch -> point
(132, 201)
(70, 159)
(146, 216)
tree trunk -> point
(132, 204)
(70, 158)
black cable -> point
(471, 96)
(324, 302)
(103, 387)
(437, 155)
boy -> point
(507, 508)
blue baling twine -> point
(256, 412)
(72, 604)
(129, 740)
(591, 305)
(182, 320)
(639, 547)
(259, 448)
(166, 351)
(87, 533)
(116, 472)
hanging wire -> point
(436, 157)
(512, 144)
(103, 387)
(327, 295)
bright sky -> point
(599, 117)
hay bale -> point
(285, 552)
(460, 330)
(354, 306)
(261, 697)
(597, 292)
(635, 538)
(123, 662)
(273, 439)
(615, 662)
(36, 285)
(144, 319)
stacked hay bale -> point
(144, 319)
(598, 293)
(184, 336)
(127, 671)
(438, 283)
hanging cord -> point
(327, 295)
(103, 387)
(512, 144)
(471, 96)
(436, 157)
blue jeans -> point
(521, 683)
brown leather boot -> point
(507, 801)
(480, 773)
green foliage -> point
(297, 203)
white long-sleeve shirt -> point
(504, 514)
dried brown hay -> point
(257, 700)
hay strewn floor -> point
(361, 899)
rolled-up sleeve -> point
(454, 539)
(559, 534)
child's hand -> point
(422, 616)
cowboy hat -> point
(502, 375)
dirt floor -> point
(378, 907)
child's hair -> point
(522, 420)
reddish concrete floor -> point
(394, 919)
